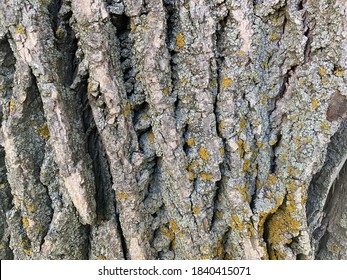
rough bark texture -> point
(173, 129)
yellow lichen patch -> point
(31, 207)
(44, 131)
(226, 82)
(184, 81)
(269, 195)
(11, 105)
(292, 187)
(274, 21)
(20, 29)
(180, 40)
(193, 165)
(298, 141)
(204, 154)
(324, 80)
(33, 123)
(144, 117)
(260, 144)
(277, 254)
(250, 230)
(219, 214)
(241, 53)
(127, 109)
(324, 125)
(215, 82)
(26, 248)
(166, 91)
(271, 179)
(206, 176)
(222, 125)
(204, 248)
(273, 142)
(241, 147)
(168, 233)
(222, 151)
(322, 71)
(59, 33)
(191, 142)
(196, 210)
(339, 72)
(258, 184)
(262, 219)
(180, 234)
(246, 165)
(273, 37)
(291, 170)
(334, 248)
(236, 223)
(301, 83)
(242, 123)
(133, 27)
(146, 27)
(315, 103)
(263, 99)
(205, 257)
(218, 251)
(186, 6)
(173, 226)
(293, 117)
(90, 86)
(101, 257)
(191, 176)
(243, 191)
(25, 223)
(151, 138)
(283, 157)
(266, 65)
(122, 195)
(308, 140)
(281, 225)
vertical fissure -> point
(332, 230)
(323, 193)
(65, 42)
(219, 61)
(307, 30)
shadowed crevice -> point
(333, 231)
(322, 184)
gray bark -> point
(171, 129)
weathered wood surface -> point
(173, 129)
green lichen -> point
(204, 154)
(44, 131)
(180, 40)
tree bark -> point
(173, 129)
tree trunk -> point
(173, 129)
